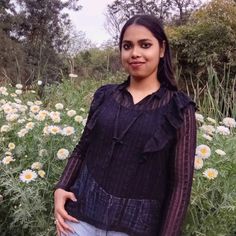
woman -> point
(131, 173)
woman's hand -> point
(60, 198)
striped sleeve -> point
(181, 175)
(75, 161)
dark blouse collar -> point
(159, 93)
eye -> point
(126, 46)
(146, 45)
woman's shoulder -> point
(180, 100)
(104, 89)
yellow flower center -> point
(204, 151)
(28, 176)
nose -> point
(135, 52)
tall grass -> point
(215, 96)
(27, 209)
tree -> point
(120, 11)
(11, 52)
(76, 43)
(38, 29)
(42, 27)
(169, 11)
(182, 9)
(208, 39)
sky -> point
(91, 19)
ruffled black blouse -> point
(132, 169)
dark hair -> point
(165, 71)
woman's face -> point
(140, 52)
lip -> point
(136, 64)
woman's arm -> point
(76, 158)
(181, 169)
(74, 163)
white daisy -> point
(222, 130)
(208, 129)
(46, 130)
(78, 119)
(203, 151)
(19, 91)
(62, 154)
(229, 122)
(55, 116)
(38, 102)
(7, 160)
(53, 129)
(30, 125)
(3, 90)
(19, 86)
(28, 175)
(59, 106)
(71, 113)
(208, 137)
(42, 115)
(12, 117)
(36, 166)
(20, 121)
(35, 108)
(67, 131)
(210, 173)
(199, 117)
(5, 128)
(198, 163)
(11, 146)
(29, 103)
(22, 133)
(220, 152)
(41, 173)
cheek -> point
(124, 58)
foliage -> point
(95, 62)
(27, 208)
(35, 33)
(198, 44)
(174, 11)
(212, 209)
(215, 94)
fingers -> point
(63, 214)
(62, 226)
(58, 231)
(72, 197)
(60, 197)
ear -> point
(162, 49)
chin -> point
(137, 76)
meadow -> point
(41, 124)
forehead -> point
(137, 32)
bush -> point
(31, 136)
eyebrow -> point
(140, 41)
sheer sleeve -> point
(181, 175)
(76, 158)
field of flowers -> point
(37, 136)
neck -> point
(150, 84)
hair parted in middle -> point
(165, 72)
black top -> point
(132, 169)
